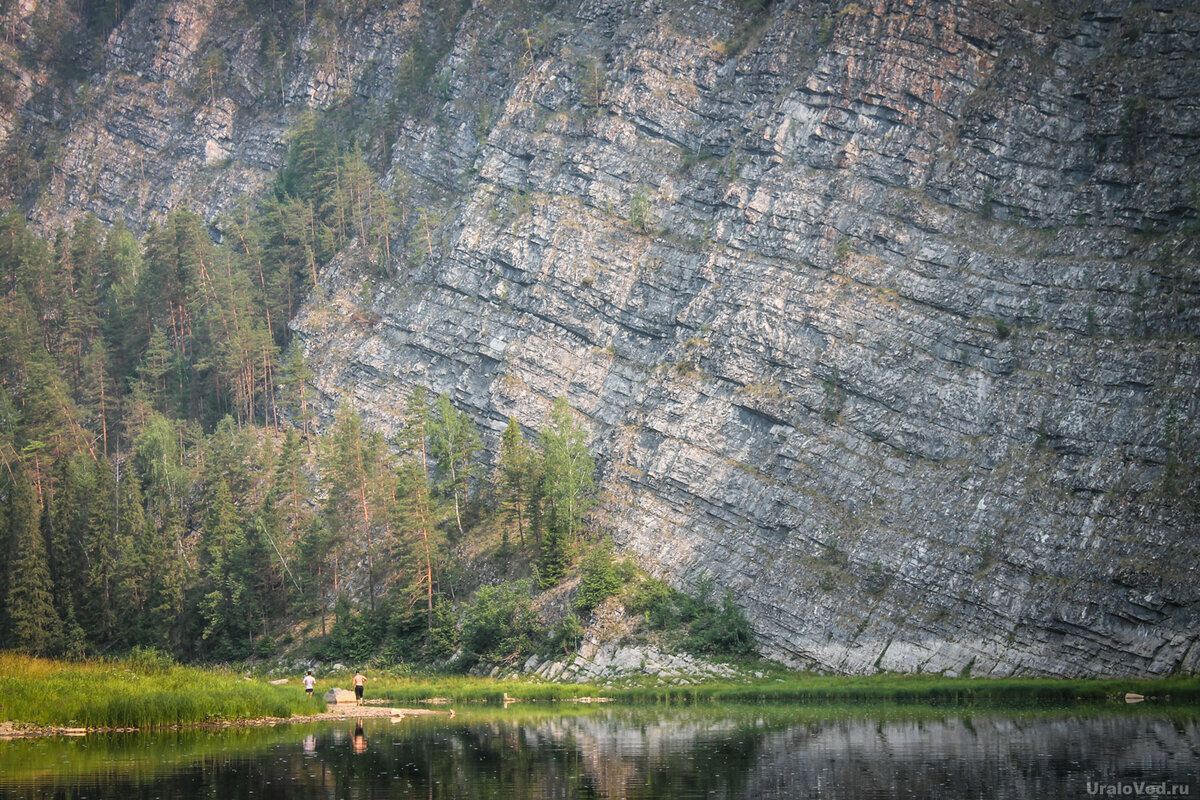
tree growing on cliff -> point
(515, 475)
(598, 578)
(568, 470)
(641, 215)
(454, 444)
(567, 488)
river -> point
(770, 752)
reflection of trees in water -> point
(610, 756)
(630, 753)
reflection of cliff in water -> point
(993, 757)
(636, 754)
(987, 756)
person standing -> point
(309, 683)
(360, 681)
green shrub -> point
(721, 630)
(569, 632)
(640, 213)
(598, 579)
(701, 627)
(354, 636)
(501, 625)
(654, 598)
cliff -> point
(882, 317)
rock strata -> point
(883, 321)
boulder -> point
(336, 697)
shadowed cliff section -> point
(882, 316)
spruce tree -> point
(33, 622)
(225, 604)
(515, 474)
(554, 557)
(290, 492)
(105, 546)
(67, 538)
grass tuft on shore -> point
(137, 693)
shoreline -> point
(19, 730)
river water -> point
(770, 752)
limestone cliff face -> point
(883, 317)
(189, 103)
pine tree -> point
(416, 510)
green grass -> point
(137, 693)
(793, 688)
(151, 692)
(931, 690)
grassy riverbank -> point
(147, 691)
(791, 688)
(137, 692)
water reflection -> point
(639, 754)
(360, 739)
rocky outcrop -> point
(882, 317)
(884, 321)
(599, 664)
(615, 648)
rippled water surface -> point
(691, 752)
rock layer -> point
(872, 332)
